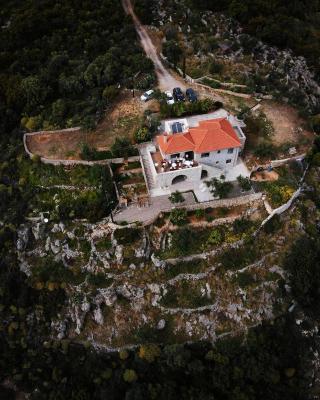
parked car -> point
(178, 95)
(147, 95)
(170, 99)
(191, 95)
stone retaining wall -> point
(236, 201)
(45, 160)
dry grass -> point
(122, 120)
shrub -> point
(265, 150)
(127, 235)
(130, 375)
(220, 188)
(142, 135)
(215, 238)
(316, 160)
(244, 183)
(92, 154)
(216, 67)
(122, 147)
(176, 197)
(149, 352)
(241, 225)
(178, 216)
(200, 213)
(273, 224)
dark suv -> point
(177, 94)
(191, 95)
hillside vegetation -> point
(61, 64)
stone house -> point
(193, 154)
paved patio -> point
(142, 214)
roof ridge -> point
(204, 137)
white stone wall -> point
(218, 160)
(193, 174)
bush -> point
(216, 68)
(178, 216)
(176, 197)
(215, 238)
(122, 147)
(199, 213)
(244, 183)
(130, 375)
(241, 225)
(273, 224)
(92, 154)
(265, 150)
(142, 135)
(220, 188)
(185, 108)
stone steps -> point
(150, 178)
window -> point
(177, 155)
(203, 155)
(228, 161)
(230, 151)
(219, 151)
(217, 162)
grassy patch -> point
(128, 235)
(190, 267)
(244, 279)
(185, 295)
(237, 258)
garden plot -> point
(280, 190)
(130, 181)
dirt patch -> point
(264, 176)
(288, 126)
(122, 120)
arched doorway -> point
(178, 179)
(204, 174)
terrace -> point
(162, 165)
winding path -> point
(166, 80)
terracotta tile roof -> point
(211, 135)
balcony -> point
(162, 165)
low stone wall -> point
(278, 163)
(45, 160)
(236, 201)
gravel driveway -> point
(166, 80)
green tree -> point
(172, 51)
(176, 197)
(219, 187)
(130, 375)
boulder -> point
(157, 262)
(55, 247)
(161, 324)
(97, 316)
(119, 254)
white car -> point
(147, 95)
(170, 99)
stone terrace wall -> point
(45, 160)
(236, 201)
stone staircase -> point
(214, 171)
(147, 168)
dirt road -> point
(165, 79)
